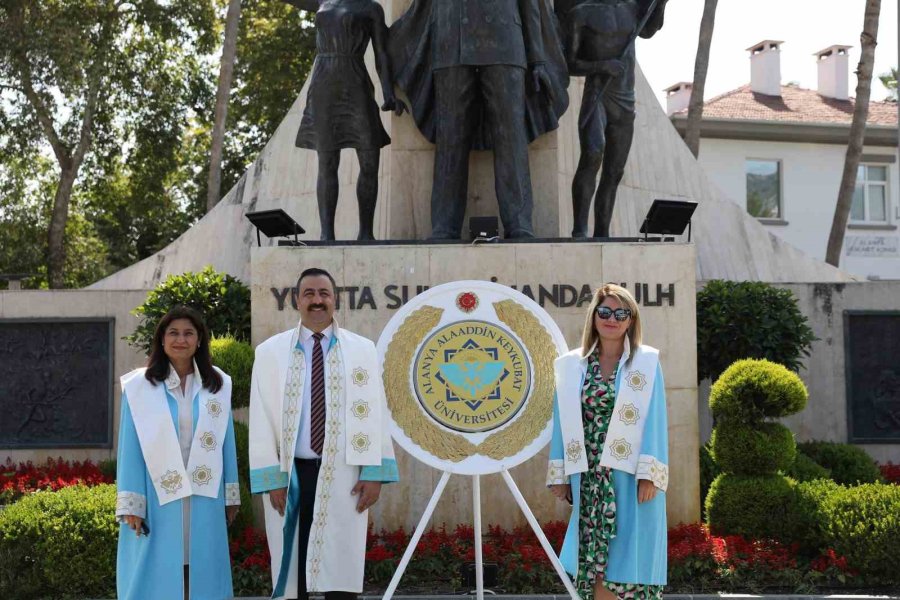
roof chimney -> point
(678, 97)
(765, 67)
(834, 63)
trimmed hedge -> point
(755, 507)
(709, 470)
(752, 390)
(849, 465)
(863, 523)
(236, 359)
(808, 516)
(761, 450)
(60, 544)
(244, 517)
(748, 319)
(806, 469)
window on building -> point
(764, 188)
(870, 195)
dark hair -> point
(158, 363)
(317, 272)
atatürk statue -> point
(481, 74)
(341, 111)
(600, 37)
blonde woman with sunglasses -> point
(609, 454)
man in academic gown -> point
(319, 446)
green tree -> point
(77, 74)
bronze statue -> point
(600, 37)
(481, 74)
(341, 111)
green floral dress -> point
(597, 514)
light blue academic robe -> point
(638, 552)
(152, 567)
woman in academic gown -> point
(609, 454)
(177, 478)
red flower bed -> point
(698, 561)
(25, 478)
(891, 473)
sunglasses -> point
(621, 314)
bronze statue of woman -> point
(341, 111)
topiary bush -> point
(223, 300)
(806, 469)
(751, 497)
(762, 450)
(849, 465)
(236, 359)
(709, 470)
(748, 319)
(863, 523)
(60, 544)
(807, 522)
(752, 506)
(244, 517)
(752, 390)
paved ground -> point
(893, 596)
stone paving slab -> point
(488, 596)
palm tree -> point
(226, 70)
(701, 66)
(868, 41)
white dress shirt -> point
(185, 400)
(302, 448)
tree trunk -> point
(868, 41)
(701, 66)
(56, 259)
(226, 70)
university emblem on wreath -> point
(468, 374)
(171, 482)
(202, 475)
(636, 380)
(472, 376)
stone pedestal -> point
(376, 280)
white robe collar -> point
(159, 439)
(635, 378)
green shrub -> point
(806, 469)
(60, 544)
(756, 507)
(709, 470)
(236, 359)
(848, 464)
(748, 319)
(751, 390)
(808, 518)
(761, 450)
(223, 300)
(863, 523)
(244, 518)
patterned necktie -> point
(317, 397)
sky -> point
(805, 27)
